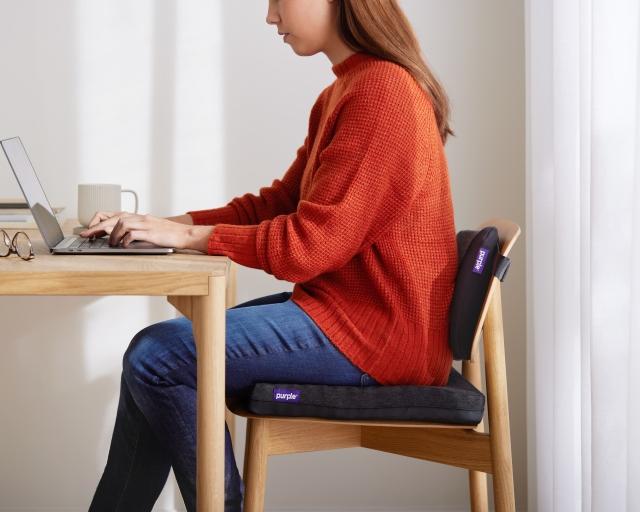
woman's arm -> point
(166, 232)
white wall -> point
(192, 103)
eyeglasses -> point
(19, 244)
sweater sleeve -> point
(367, 177)
(280, 198)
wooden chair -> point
(467, 447)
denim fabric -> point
(268, 339)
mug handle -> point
(135, 196)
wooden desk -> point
(193, 283)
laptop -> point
(48, 223)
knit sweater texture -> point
(362, 222)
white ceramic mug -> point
(100, 197)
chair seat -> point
(457, 403)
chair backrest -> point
(508, 233)
(482, 264)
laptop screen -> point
(32, 190)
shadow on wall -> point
(162, 157)
(162, 129)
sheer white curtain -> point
(583, 239)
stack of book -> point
(15, 214)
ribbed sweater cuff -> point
(236, 242)
(223, 215)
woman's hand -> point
(106, 220)
(125, 227)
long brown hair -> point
(380, 28)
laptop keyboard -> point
(89, 243)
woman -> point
(362, 222)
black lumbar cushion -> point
(456, 403)
(479, 259)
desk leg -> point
(232, 301)
(209, 331)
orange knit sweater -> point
(362, 222)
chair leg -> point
(478, 494)
(500, 435)
(255, 464)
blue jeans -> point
(269, 339)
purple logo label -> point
(286, 395)
(481, 259)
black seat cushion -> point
(456, 403)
